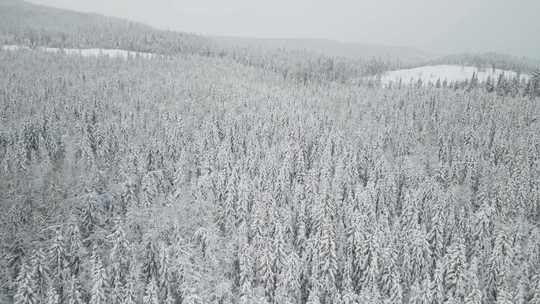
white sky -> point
(511, 26)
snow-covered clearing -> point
(450, 73)
(112, 53)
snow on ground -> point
(112, 53)
(428, 74)
(450, 73)
(14, 47)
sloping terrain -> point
(112, 53)
(201, 180)
(24, 23)
(32, 25)
(221, 179)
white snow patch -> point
(450, 73)
(112, 53)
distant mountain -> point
(32, 25)
(407, 55)
(36, 25)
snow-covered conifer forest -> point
(211, 175)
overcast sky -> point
(510, 26)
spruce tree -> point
(130, 290)
(40, 273)
(455, 270)
(25, 286)
(77, 250)
(474, 294)
(52, 297)
(396, 292)
(99, 292)
(73, 293)
(151, 293)
(57, 256)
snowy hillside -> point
(450, 73)
(95, 52)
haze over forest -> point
(441, 27)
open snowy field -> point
(95, 52)
(450, 73)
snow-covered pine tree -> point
(119, 253)
(396, 292)
(473, 83)
(313, 297)
(420, 252)
(288, 280)
(415, 294)
(150, 266)
(455, 270)
(327, 257)
(25, 286)
(427, 290)
(151, 293)
(535, 290)
(438, 275)
(348, 295)
(504, 296)
(521, 294)
(436, 235)
(90, 214)
(52, 297)
(57, 256)
(130, 289)
(279, 248)
(73, 293)
(246, 274)
(76, 249)
(118, 268)
(192, 298)
(265, 270)
(535, 83)
(99, 292)
(489, 84)
(40, 273)
(166, 283)
(474, 293)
